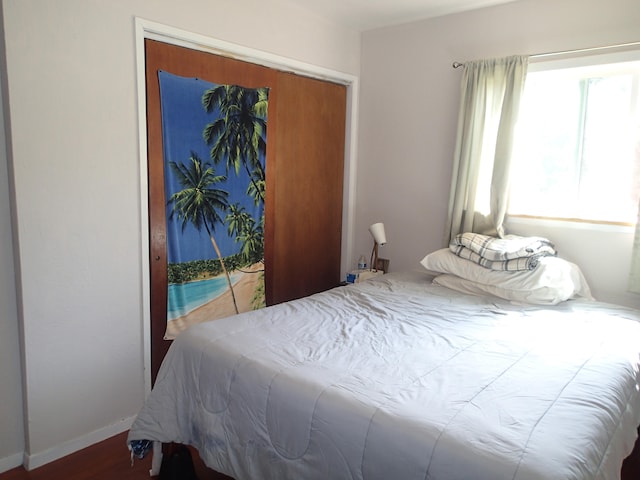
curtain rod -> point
(567, 52)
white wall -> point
(73, 116)
(11, 412)
(409, 107)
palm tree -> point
(243, 227)
(199, 203)
(238, 135)
(257, 186)
(252, 241)
(238, 138)
(236, 219)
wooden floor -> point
(108, 460)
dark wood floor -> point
(110, 460)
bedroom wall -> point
(73, 115)
(11, 412)
(409, 107)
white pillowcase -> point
(554, 280)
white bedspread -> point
(396, 378)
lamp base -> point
(382, 264)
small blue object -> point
(140, 448)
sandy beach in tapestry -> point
(214, 147)
(248, 289)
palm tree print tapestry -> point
(214, 146)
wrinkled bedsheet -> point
(397, 378)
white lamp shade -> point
(377, 230)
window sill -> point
(572, 223)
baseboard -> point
(12, 461)
(36, 460)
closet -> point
(304, 176)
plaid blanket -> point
(511, 253)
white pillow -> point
(552, 281)
(537, 296)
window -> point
(577, 143)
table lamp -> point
(379, 238)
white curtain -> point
(489, 104)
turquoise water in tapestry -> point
(186, 297)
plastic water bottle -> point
(362, 262)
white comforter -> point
(396, 378)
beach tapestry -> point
(214, 148)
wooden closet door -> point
(304, 167)
(309, 176)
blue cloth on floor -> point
(140, 448)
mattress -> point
(399, 378)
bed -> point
(399, 377)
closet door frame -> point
(146, 29)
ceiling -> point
(370, 14)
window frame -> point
(561, 61)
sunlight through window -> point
(577, 146)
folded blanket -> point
(511, 265)
(511, 253)
(511, 246)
